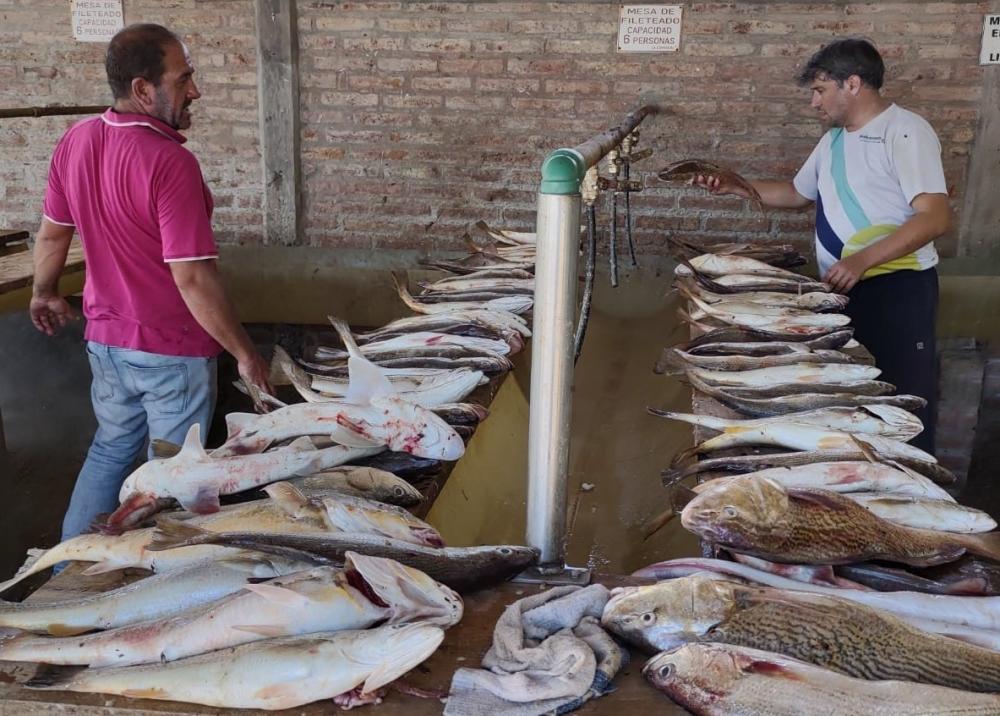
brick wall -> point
(41, 64)
(420, 117)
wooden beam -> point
(980, 210)
(278, 99)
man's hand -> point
(254, 370)
(50, 313)
(845, 274)
(720, 185)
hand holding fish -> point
(846, 273)
(721, 184)
(254, 370)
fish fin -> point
(820, 498)
(265, 630)
(204, 502)
(768, 668)
(163, 449)
(419, 641)
(280, 360)
(986, 544)
(279, 595)
(238, 423)
(171, 533)
(970, 586)
(102, 567)
(35, 562)
(351, 434)
(867, 450)
(288, 497)
(150, 693)
(53, 677)
(66, 630)
(192, 447)
(302, 444)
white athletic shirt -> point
(863, 182)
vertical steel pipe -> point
(558, 224)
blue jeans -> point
(135, 395)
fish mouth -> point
(407, 593)
(130, 513)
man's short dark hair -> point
(843, 58)
(137, 51)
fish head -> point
(408, 593)
(383, 485)
(344, 513)
(734, 512)
(413, 429)
(694, 675)
(498, 563)
(664, 615)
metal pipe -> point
(558, 236)
(50, 111)
(558, 226)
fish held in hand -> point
(761, 518)
(725, 680)
(273, 674)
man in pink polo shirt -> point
(157, 313)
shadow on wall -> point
(48, 424)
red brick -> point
(507, 86)
(441, 84)
(423, 44)
(406, 64)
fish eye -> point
(729, 511)
(399, 492)
(648, 618)
(505, 551)
(666, 671)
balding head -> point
(137, 51)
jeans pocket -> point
(101, 388)
(164, 388)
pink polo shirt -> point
(138, 201)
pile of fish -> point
(320, 583)
(849, 580)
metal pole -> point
(50, 111)
(558, 238)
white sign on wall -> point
(990, 54)
(649, 28)
(96, 20)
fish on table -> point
(516, 304)
(972, 619)
(369, 482)
(810, 526)
(828, 631)
(735, 338)
(367, 591)
(347, 666)
(725, 680)
(461, 568)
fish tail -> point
(49, 677)
(283, 369)
(404, 293)
(171, 533)
(346, 337)
(37, 560)
(986, 544)
(670, 362)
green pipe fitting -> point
(562, 172)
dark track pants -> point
(895, 317)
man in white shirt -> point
(878, 186)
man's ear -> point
(854, 85)
(142, 91)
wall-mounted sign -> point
(96, 20)
(649, 28)
(990, 52)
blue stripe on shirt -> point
(825, 234)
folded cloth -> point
(549, 655)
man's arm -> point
(49, 311)
(206, 298)
(934, 217)
(776, 194)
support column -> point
(278, 100)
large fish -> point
(725, 680)
(343, 513)
(765, 407)
(462, 568)
(497, 323)
(761, 518)
(923, 513)
(804, 373)
(755, 315)
(511, 304)
(150, 598)
(422, 343)
(371, 415)
(721, 265)
(674, 360)
(273, 674)
(888, 421)
(111, 552)
(368, 590)
(449, 387)
(836, 338)
(369, 482)
(827, 631)
(479, 282)
(891, 579)
(972, 619)
(811, 301)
